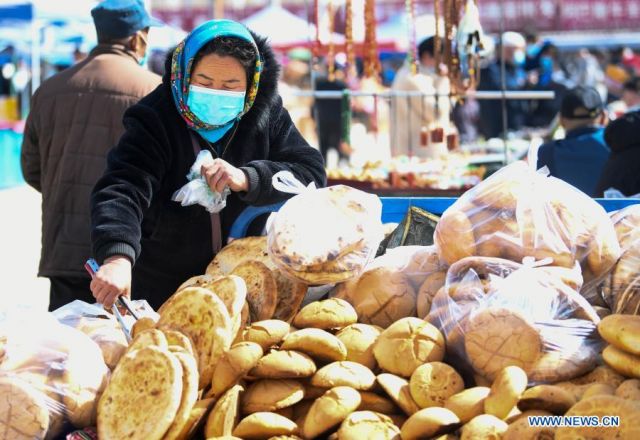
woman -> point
(219, 94)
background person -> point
(75, 118)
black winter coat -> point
(132, 211)
(622, 172)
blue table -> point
(394, 209)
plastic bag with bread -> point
(520, 212)
(621, 288)
(398, 284)
(50, 374)
(101, 326)
(326, 235)
(495, 313)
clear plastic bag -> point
(102, 327)
(398, 284)
(197, 191)
(621, 288)
(51, 373)
(519, 212)
(326, 235)
(495, 312)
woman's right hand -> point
(112, 280)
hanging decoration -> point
(412, 53)
(437, 38)
(348, 37)
(462, 43)
(371, 61)
(316, 15)
(331, 55)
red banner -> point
(560, 15)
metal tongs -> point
(92, 267)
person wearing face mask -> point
(75, 118)
(513, 50)
(411, 114)
(219, 93)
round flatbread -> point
(147, 388)
(239, 251)
(189, 395)
(290, 296)
(262, 290)
(203, 317)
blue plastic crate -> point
(10, 171)
(395, 208)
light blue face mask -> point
(215, 107)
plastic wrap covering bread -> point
(51, 375)
(324, 236)
(396, 285)
(519, 212)
(495, 313)
(101, 326)
(621, 289)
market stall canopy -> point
(20, 10)
(285, 29)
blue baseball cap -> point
(121, 18)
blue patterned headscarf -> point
(182, 64)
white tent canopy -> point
(284, 28)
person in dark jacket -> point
(515, 80)
(622, 170)
(219, 94)
(579, 158)
(75, 118)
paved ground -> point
(20, 249)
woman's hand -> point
(112, 280)
(220, 174)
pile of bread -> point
(270, 294)
(621, 288)
(51, 375)
(327, 235)
(519, 213)
(327, 375)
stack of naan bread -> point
(326, 236)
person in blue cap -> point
(580, 157)
(219, 93)
(75, 118)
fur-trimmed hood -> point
(267, 96)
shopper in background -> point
(579, 158)
(631, 94)
(622, 170)
(328, 113)
(76, 117)
(410, 114)
(491, 120)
